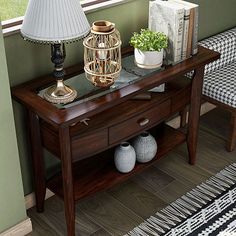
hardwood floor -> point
(118, 210)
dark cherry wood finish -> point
(103, 175)
(37, 160)
(26, 93)
(121, 122)
(67, 181)
(232, 136)
(75, 144)
(136, 124)
(194, 113)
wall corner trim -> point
(30, 199)
(21, 229)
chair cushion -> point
(225, 44)
(221, 85)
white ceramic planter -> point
(148, 59)
(145, 147)
(124, 157)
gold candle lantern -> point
(102, 54)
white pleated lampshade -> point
(54, 21)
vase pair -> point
(143, 149)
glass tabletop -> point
(130, 73)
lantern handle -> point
(103, 26)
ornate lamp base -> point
(60, 93)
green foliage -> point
(148, 40)
(12, 8)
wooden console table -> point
(86, 151)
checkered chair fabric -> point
(221, 85)
(220, 76)
(225, 44)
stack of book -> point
(178, 19)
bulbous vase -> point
(124, 157)
(145, 147)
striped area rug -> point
(209, 209)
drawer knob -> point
(143, 122)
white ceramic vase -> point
(124, 157)
(148, 59)
(145, 147)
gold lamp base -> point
(60, 93)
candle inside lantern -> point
(102, 54)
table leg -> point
(194, 113)
(231, 143)
(66, 162)
(183, 117)
(37, 161)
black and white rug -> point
(209, 209)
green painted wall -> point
(27, 61)
(12, 206)
(215, 16)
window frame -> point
(13, 25)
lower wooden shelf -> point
(99, 173)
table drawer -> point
(90, 144)
(139, 123)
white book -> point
(168, 18)
(193, 24)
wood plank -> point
(40, 227)
(136, 198)
(208, 157)
(153, 179)
(173, 191)
(101, 232)
(54, 216)
(109, 213)
(179, 168)
(216, 146)
(216, 122)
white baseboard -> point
(21, 229)
(207, 107)
(30, 199)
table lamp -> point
(56, 22)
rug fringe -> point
(188, 204)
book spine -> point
(190, 34)
(179, 23)
(195, 32)
(185, 34)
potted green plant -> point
(149, 47)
